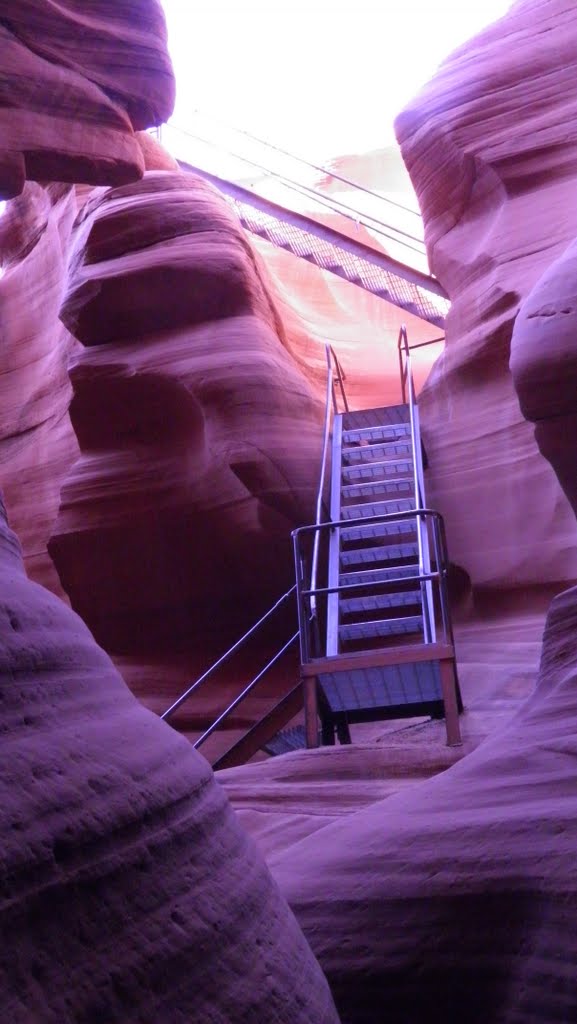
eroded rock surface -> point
(128, 890)
(544, 365)
(491, 144)
(200, 434)
(76, 84)
(37, 443)
(457, 899)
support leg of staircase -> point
(449, 688)
(311, 711)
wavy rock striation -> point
(76, 84)
(457, 898)
(128, 890)
(200, 434)
(491, 145)
(37, 443)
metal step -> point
(381, 628)
(377, 508)
(367, 453)
(286, 741)
(379, 532)
(387, 432)
(377, 576)
(415, 688)
(371, 604)
(379, 470)
(386, 414)
(389, 553)
(373, 488)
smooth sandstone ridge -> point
(491, 145)
(200, 434)
(129, 892)
(76, 84)
(37, 442)
(457, 898)
(544, 365)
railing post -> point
(311, 711)
(302, 618)
(443, 583)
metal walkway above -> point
(360, 264)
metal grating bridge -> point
(373, 270)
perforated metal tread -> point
(379, 532)
(386, 470)
(391, 686)
(377, 508)
(286, 741)
(373, 604)
(373, 556)
(379, 575)
(369, 418)
(381, 628)
(378, 451)
(374, 434)
(402, 487)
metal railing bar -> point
(224, 657)
(423, 344)
(322, 477)
(377, 259)
(422, 539)
(305, 162)
(364, 586)
(336, 206)
(340, 378)
(228, 711)
(413, 513)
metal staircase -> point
(371, 585)
(386, 581)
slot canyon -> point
(164, 389)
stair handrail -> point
(245, 692)
(339, 377)
(408, 390)
(224, 657)
(335, 376)
(439, 575)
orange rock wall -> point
(490, 144)
(76, 84)
(128, 889)
(200, 434)
(37, 443)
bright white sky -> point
(319, 77)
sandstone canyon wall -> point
(37, 443)
(490, 144)
(200, 434)
(456, 899)
(77, 81)
(127, 890)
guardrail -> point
(307, 592)
(335, 379)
